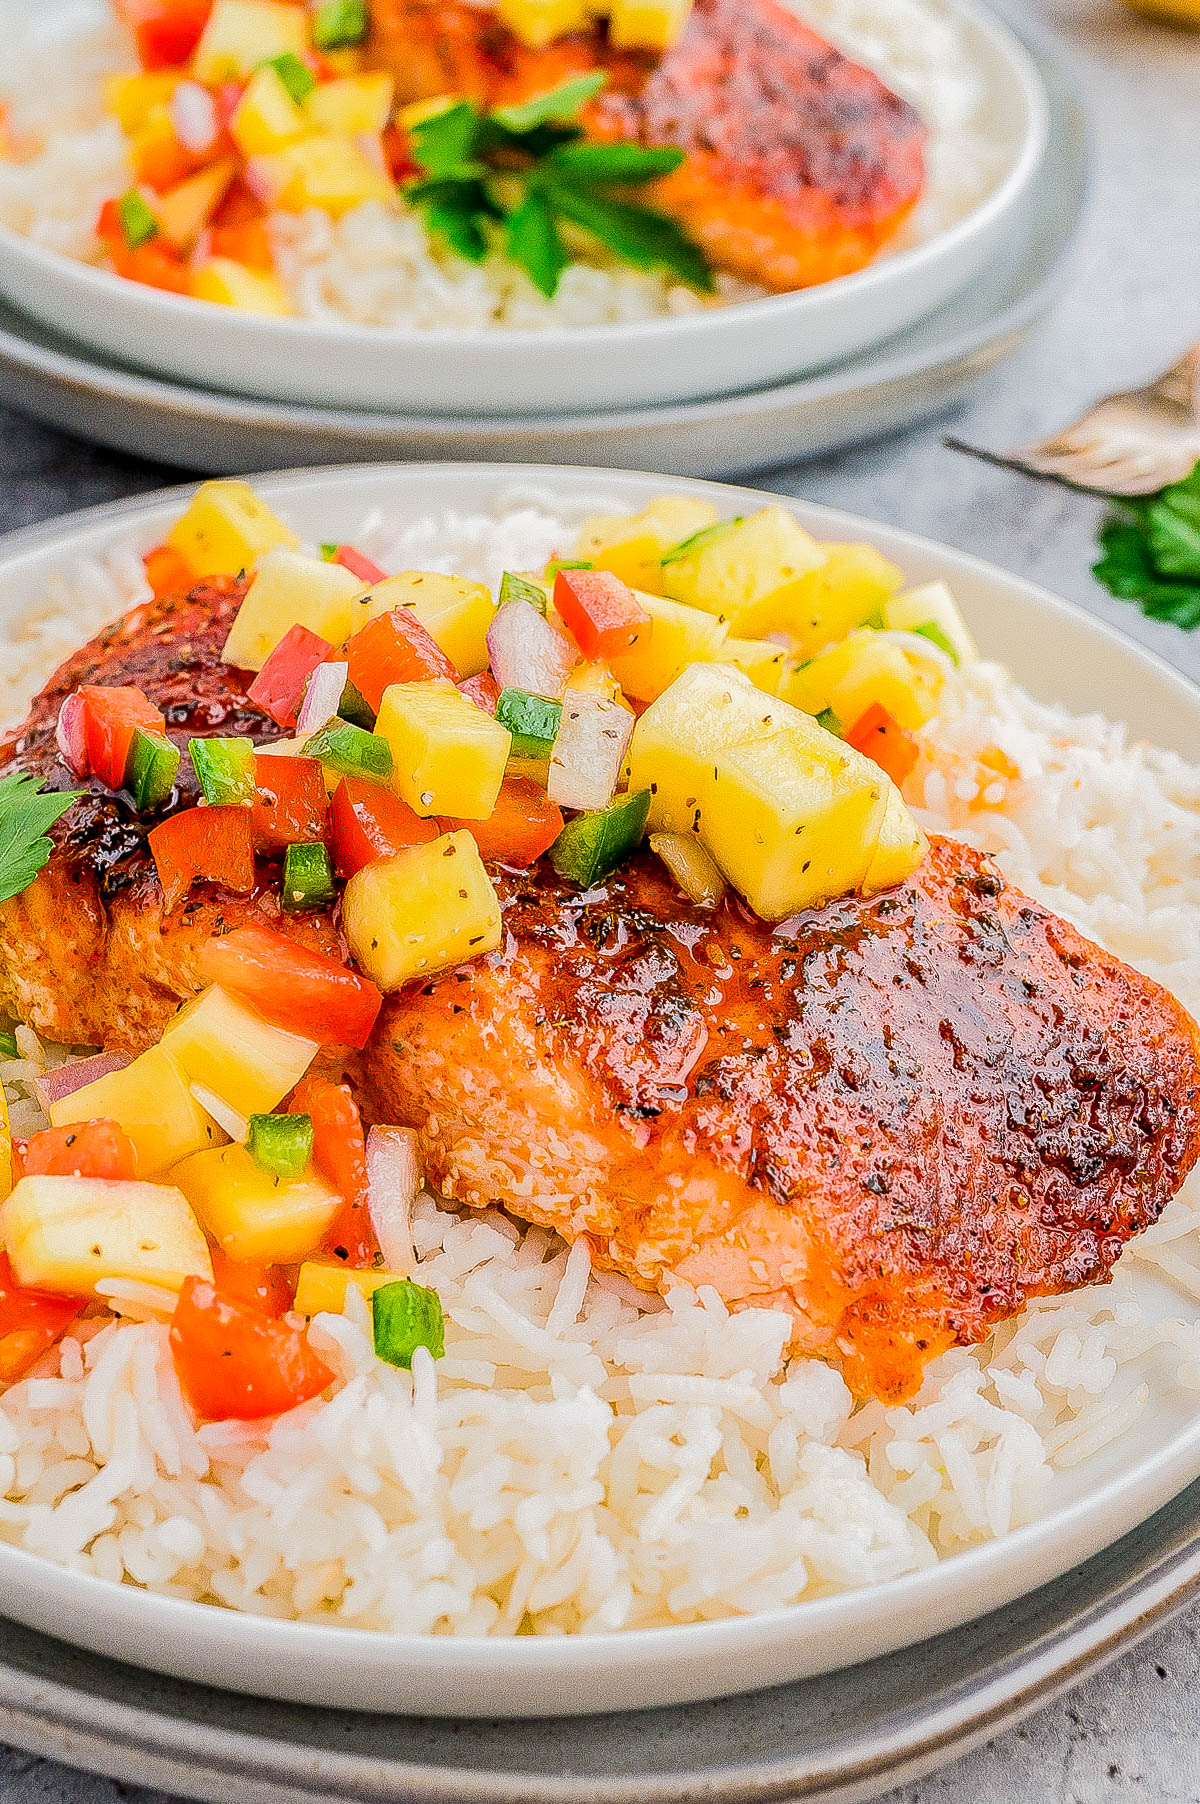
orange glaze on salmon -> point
(800, 164)
(898, 1119)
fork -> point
(1131, 443)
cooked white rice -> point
(582, 1458)
(375, 266)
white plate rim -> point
(529, 1676)
(26, 266)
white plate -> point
(1059, 654)
(928, 371)
(503, 371)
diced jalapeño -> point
(829, 720)
(225, 770)
(355, 708)
(533, 721)
(592, 845)
(138, 224)
(281, 1144)
(406, 1316)
(338, 24)
(929, 629)
(520, 588)
(150, 770)
(307, 878)
(350, 750)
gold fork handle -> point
(1181, 384)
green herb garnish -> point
(516, 175)
(26, 816)
(1151, 552)
(8, 1044)
(138, 224)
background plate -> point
(923, 373)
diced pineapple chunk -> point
(454, 610)
(538, 22)
(65, 1234)
(899, 850)
(323, 171)
(151, 1100)
(352, 105)
(184, 210)
(290, 590)
(790, 815)
(243, 34)
(322, 1285)
(448, 756)
(233, 284)
(266, 117)
(762, 661)
(221, 1044)
(153, 145)
(853, 584)
(678, 636)
(746, 571)
(647, 24)
(226, 528)
(6, 1148)
(632, 545)
(426, 910)
(132, 98)
(253, 1214)
(862, 670)
(933, 606)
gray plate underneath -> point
(840, 1738)
(923, 373)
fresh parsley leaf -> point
(26, 815)
(533, 240)
(1173, 526)
(639, 235)
(458, 226)
(558, 103)
(1127, 570)
(612, 165)
(445, 141)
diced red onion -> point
(260, 178)
(528, 653)
(54, 1086)
(393, 1180)
(194, 116)
(225, 1116)
(371, 146)
(589, 751)
(70, 734)
(322, 698)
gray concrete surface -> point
(1131, 1734)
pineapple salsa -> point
(742, 695)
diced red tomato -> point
(167, 572)
(880, 737)
(358, 565)
(305, 991)
(602, 614)
(249, 243)
(524, 824)
(368, 822)
(166, 31)
(110, 719)
(278, 689)
(292, 806)
(85, 1149)
(484, 691)
(235, 1362)
(30, 1323)
(263, 1287)
(395, 648)
(203, 845)
(340, 1155)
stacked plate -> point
(709, 392)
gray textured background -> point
(1132, 1733)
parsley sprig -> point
(516, 175)
(26, 816)
(1151, 552)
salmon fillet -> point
(899, 1119)
(800, 164)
